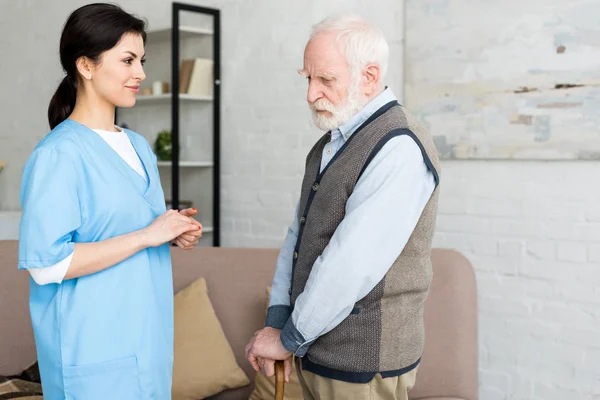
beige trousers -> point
(315, 387)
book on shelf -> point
(185, 73)
(196, 77)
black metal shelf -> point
(177, 31)
(174, 34)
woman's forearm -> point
(89, 258)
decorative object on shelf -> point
(163, 145)
(147, 91)
(159, 87)
(2, 165)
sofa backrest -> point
(17, 348)
(237, 280)
(449, 366)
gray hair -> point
(361, 42)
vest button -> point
(302, 220)
(315, 187)
(290, 292)
(295, 255)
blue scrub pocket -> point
(114, 380)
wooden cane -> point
(279, 380)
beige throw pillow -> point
(204, 363)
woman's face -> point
(117, 77)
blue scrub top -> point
(108, 335)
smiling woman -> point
(102, 293)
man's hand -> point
(189, 240)
(264, 348)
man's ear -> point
(371, 76)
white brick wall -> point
(532, 233)
(531, 230)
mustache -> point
(322, 105)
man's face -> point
(333, 93)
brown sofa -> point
(237, 279)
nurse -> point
(95, 232)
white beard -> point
(341, 114)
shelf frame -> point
(177, 8)
(185, 32)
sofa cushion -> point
(204, 363)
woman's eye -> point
(143, 61)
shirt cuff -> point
(277, 316)
(292, 339)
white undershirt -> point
(121, 144)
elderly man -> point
(354, 271)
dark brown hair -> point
(89, 31)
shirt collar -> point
(346, 130)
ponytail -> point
(62, 102)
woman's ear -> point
(84, 66)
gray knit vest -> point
(384, 332)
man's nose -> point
(314, 93)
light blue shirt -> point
(381, 215)
(108, 335)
